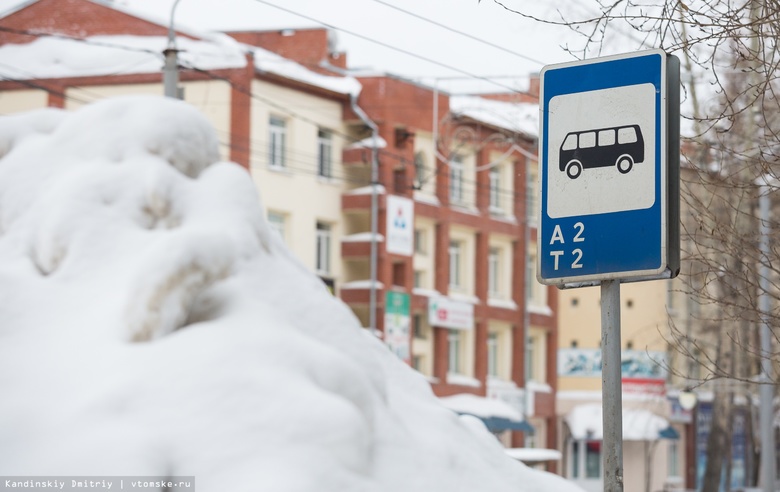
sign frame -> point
(609, 232)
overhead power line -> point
(465, 34)
(389, 46)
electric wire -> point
(389, 46)
(465, 34)
(211, 74)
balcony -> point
(359, 198)
(357, 246)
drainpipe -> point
(374, 208)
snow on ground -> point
(151, 324)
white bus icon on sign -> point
(620, 146)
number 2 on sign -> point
(557, 236)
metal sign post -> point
(609, 176)
(611, 392)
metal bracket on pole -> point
(611, 391)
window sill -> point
(328, 180)
(463, 380)
(280, 170)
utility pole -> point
(171, 68)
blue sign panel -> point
(604, 170)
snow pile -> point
(152, 324)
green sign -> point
(397, 324)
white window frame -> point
(456, 180)
(456, 267)
(492, 354)
(419, 169)
(323, 248)
(324, 153)
(277, 141)
(494, 177)
(494, 272)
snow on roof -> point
(267, 61)
(534, 455)
(517, 117)
(56, 57)
(480, 406)
(153, 322)
(585, 422)
(368, 143)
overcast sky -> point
(367, 29)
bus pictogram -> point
(619, 146)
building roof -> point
(51, 55)
(521, 118)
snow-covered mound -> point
(151, 324)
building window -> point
(586, 459)
(277, 223)
(592, 459)
(494, 265)
(456, 254)
(418, 279)
(419, 241)
(419, 170)
(324, 154)
(276, 142)
(417, 326)
(674, 459)
(536, 293)
(456, 179)
(495, 188)
(323, 248)
(454, 344)
(492, 353)
(532, 197)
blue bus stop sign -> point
(609, 170)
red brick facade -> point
(394, 105)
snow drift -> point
(151, 324)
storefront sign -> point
(448, 313)
(636, 364)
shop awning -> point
(585, 423)
(497, 415)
